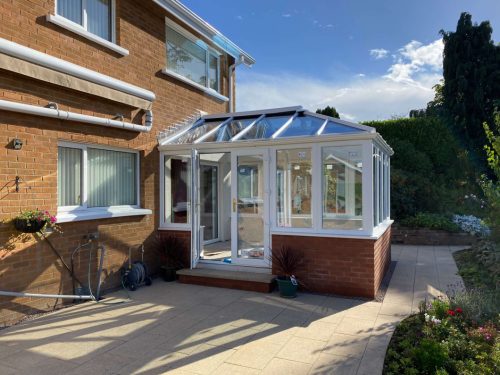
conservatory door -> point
(250, 207)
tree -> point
(328, 111)
(471, 70)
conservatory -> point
(243, 183)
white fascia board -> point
(188, 17)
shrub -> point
(430, 356)
(472, 225)
(431, 221)
(430, 172)
(479, 306)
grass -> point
(475, 272)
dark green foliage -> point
(432, 221)
(429, 170)
(471, 70)
(328, 111)
(430, 356)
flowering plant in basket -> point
(32, 221)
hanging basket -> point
(29, 226)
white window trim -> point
(76, 28)
(164, 224)
(82, 212)
(208, 50)
(317, 192)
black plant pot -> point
(168, 273)
(286, 287)
(29, 226)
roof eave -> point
(187, 16)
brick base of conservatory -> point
(344, 266)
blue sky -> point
(369, 59)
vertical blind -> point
(98, 15)
(111, 178)
(71, 9)
(69, 172)
(98, 18)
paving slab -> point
(188, 329)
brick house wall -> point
(344, 266)
(26, 262)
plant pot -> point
(286, 288)
(169, 274)
(29, 226)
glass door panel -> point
(250, 208)
(209, 213)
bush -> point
(472, 225)
(430, 356)
(431, 221)
(430, 172)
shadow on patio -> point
(186, 329)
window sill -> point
(77, 29)
(206, 90)
(99, 213)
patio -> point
(187, 329)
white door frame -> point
(218, 198)
(196, 230)
(234, 206)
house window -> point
(294, 188)
(90, 177)
(342, 187)
(177, 172)
(95, 16)
(191, 58)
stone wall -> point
(423, 236)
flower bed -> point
(455, 336)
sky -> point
(371, 60)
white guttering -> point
(77, 117)
(28, 54)
(188, 17)
(232, 70)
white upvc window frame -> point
(84, 178)
(209, 51)
(82, 30)
(164, 224)
(317, 191)
(273, 187)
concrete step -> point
(251, 281)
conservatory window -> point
(294, 188)
(177, 189)
(342, 187)
(96, 177)
(191, 58)
(95, 16)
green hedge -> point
(430, 171)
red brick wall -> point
(344, 266)
(185, 237)
(27, 264)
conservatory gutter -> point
(275, 142)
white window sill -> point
(77, 29)
(206, 90)
(99, 213)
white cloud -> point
(414, 59)
(239, 17)
(379, 53)
(407, 85)
(286, 15)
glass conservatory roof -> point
(268, 124)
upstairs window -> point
(95, 16)
(191, 58)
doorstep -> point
(251, 281)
